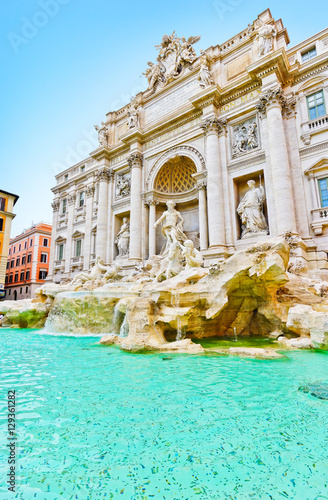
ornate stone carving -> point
(135, 160)
(123, 185)
(123, 239)
(266, 36)
(90, 191)
(55, 205)
(174, 55)
(272, 96)
(102, 135)
(213, 125)
(133, 115)
(104, 174)
(245, 137)
(289, 106)
(71, 199)
(251, 212)
(205, 79)
(172, 226)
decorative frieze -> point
(90, 191)
(71, 199)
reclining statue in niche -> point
(251, 212)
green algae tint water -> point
(96, 423)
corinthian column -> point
(103, 176)
(216, 220)
(71, 199)
(90, 191)
(152, 230)
(55, 208)
(135, 162)
(272, 102)
(202, 209)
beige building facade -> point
(250, 109)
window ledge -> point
(319, 220)
(313, 127)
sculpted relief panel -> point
(123, 185)
(245, 137)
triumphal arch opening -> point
(226, 147)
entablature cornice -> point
(208, 96)
(275, 62)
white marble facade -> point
(250, 109)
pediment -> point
(77, 234)
(60, 239)
(319, 166)
(312, 83)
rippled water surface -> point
(97, 423)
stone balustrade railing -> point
(319, 220)
(312, 127)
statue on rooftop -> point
(266, 35)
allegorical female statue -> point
(251, 212)
(123, 238)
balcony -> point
(59, 265)
(77, 262)
(319, 220)
(313, 127)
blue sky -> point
(65, 63)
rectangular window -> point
(60, 252)
(44, 258)
(25, 245)
(31, 243)
(16, 278)
(29, 258)
(12, 263)
(45, 242)
(2, 204)
(14, 250)
(309, 54)
(18, 261)
(23, 260)
(42, 274)
(323, 188)
(19, 247)
(9, 251)
(64, 205)
(8, 264)
(21, 290)
(6, 280)
(316, 105)
(81, 199)
(1, 224)
(22, 276)
(78, 247)
(27, 275)
(11, 278)
(26, 290)
(82, 168)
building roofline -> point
(10, 194)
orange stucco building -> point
(7, 202)
(28, 262)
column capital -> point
(213, 125)
(135, 160)
(201, 185)
(71, 199)
(269, 98)
(151, 202)
(55, 205)
(90, 191)
(104, 174)
(288, 108)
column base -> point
(215, 254)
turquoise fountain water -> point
(97, 423)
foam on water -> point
(97, 423)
